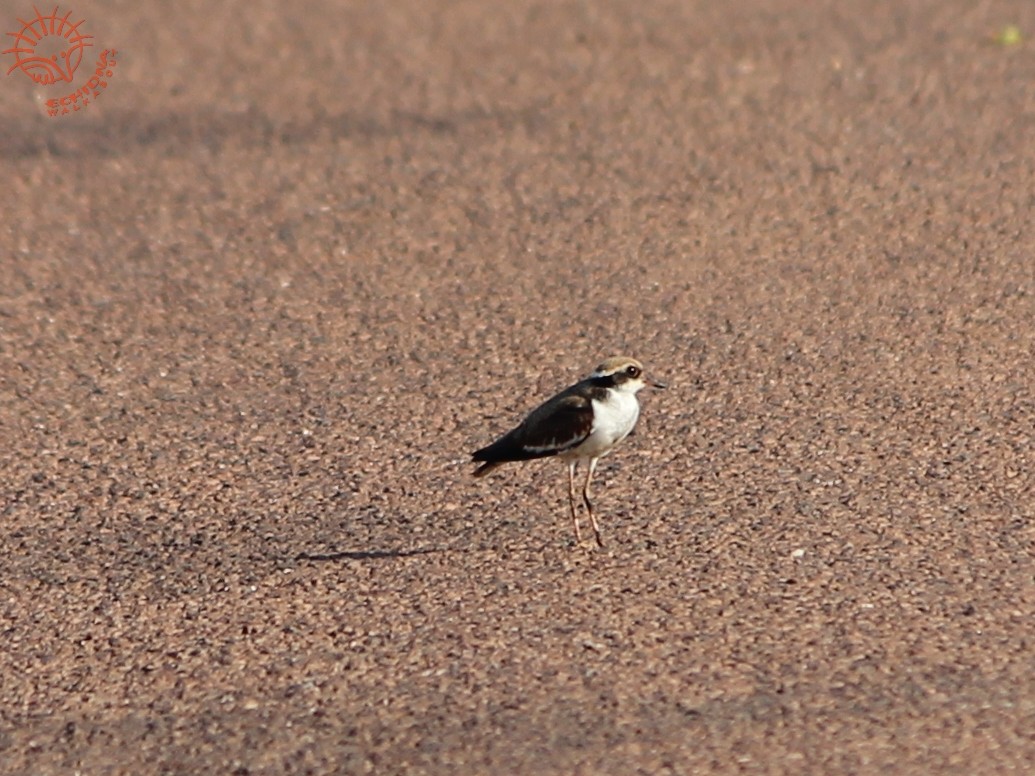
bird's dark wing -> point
(560, 424)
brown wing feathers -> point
(558, 425)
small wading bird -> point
(582, 423)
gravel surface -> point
(261, 299)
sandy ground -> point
(260, 300)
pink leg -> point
(589, 506)
(572, 465)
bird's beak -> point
(655, 384)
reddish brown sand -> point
(261, 300)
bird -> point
(581, 424)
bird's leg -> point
(572, 465)
(589, 506)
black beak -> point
(655, 384)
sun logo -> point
(43, 69)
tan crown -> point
(616, 364)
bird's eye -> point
(633, 371)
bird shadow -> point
(367, 554)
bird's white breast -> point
(613, 419)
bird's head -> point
(624, 374)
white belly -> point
(612, 421)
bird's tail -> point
(485, 468)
